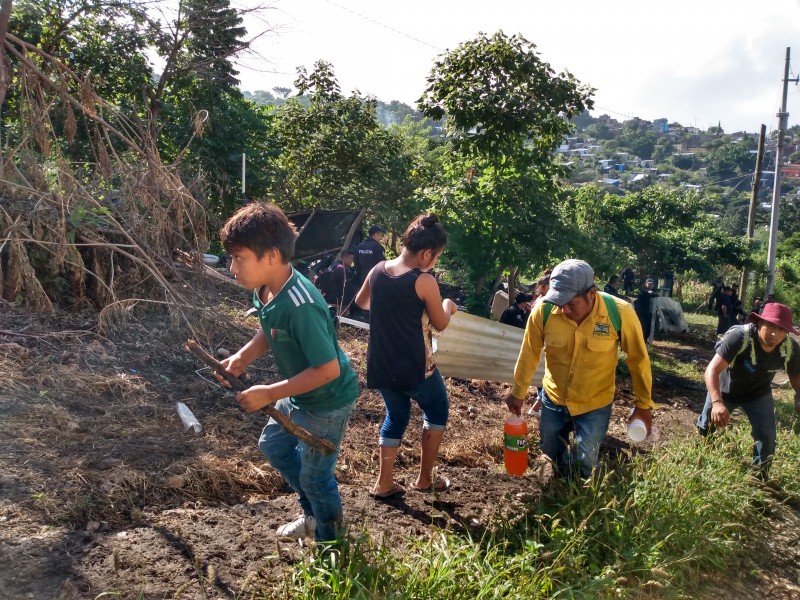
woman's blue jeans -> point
(761, 414)
(309, 471)
(430, 394)
(589, 428)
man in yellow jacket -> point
(580, 341)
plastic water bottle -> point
(188, 419)
(637, 430)
(515, 453)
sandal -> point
(442, 485)
(395, 490)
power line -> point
(379, 24)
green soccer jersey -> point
(300, 332)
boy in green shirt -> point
(319, 388)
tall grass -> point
(658, 524)
(655, 525)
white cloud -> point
(693, 62)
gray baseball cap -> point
(568, 279)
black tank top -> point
(396, 351)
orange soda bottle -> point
(515, 453)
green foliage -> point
(639, 138)
(335, 154)
(103, 43)
(496, 94)
(505, 112)
(730, 160)
(487, 206)
(789, 215)
(664, 521)
(787, 268)
(684, 161)
(599, 131)
(202, 118)
(192, 109)
(654, 230)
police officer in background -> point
(644, 305)
(517, 314)
(368, 254)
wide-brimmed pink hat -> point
(777, 314)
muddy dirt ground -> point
(102, 490)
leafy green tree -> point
(583, 120)
(199, 115)
(103, 42)
(686, 160)
(599, 131)
(262, 97)
(729, 161)
(638, 138)
(505, 111)
(663, 149)
(335, 154)
(790, 216)
(655, 230)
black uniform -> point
(515, 316)
(368, 254)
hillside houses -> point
(603, 151)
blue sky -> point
(696, 62)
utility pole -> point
(751, 214)
(783, 117)
(244, 176)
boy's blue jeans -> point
(761, 414)
(309, 472)
(590, 428)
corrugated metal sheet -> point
(475, 348)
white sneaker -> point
(305, 526)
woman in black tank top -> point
(404, 303)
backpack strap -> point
(611, 307)
(548, 308)
(613, 311)
(747, 337)
(749, 340)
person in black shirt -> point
(405, 302)
(517, 314)
(644, 305)
(335, 284)
(369, 253)
(611, 287)
(627, 281)
(724, 310)
(740, 376)
(713, 299)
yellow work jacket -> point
(581, 360)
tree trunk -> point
(479, 284)
(5, 15)
(513, 277)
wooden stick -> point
(312, 440)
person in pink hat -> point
(740, 376)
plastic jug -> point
(515, 453)
(637, 430)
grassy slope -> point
(665, 524)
